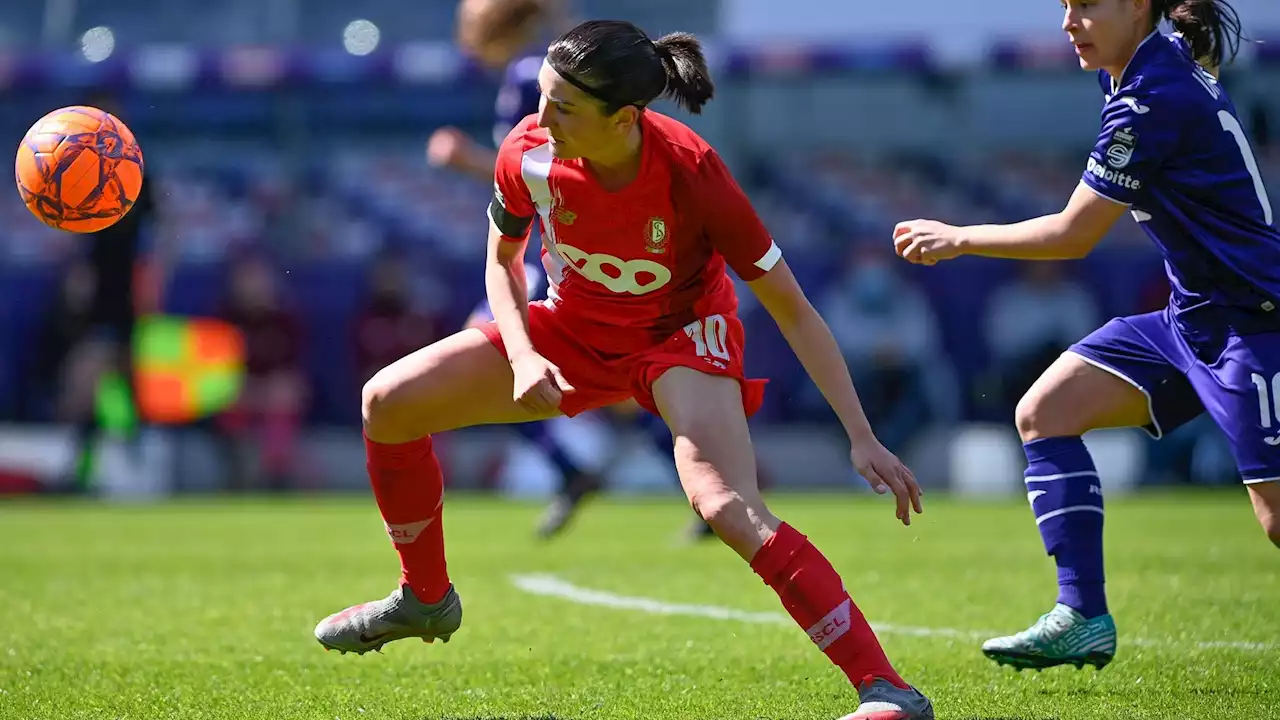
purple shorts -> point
(1233, 376)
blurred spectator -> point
(389, 327)
(1030, 322)
(889, 336)
(267, 415)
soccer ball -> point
(79, 169)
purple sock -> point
(1066, 496)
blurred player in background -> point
(644, 219)
(510, 35)
(1172, 154)
(120, 271)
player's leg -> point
(575, 483)
(659, 435)
(460, 381)
(1241, 389)
(706, 411)
(1113, 378)
(1266, 505)
(717, 471)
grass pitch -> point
(201, 609)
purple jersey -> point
(1172, 148)
(519, 96)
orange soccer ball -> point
(79, 169)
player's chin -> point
(1086, 58)
(562, 150)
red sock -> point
(410, 491)
(814, 596)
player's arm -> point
(454, 149)
(511, 213)
(735, 230)
(811, 340)
(1066, 235)
(1138, 131)
(504, 283)
(477, 161)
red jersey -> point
(650, 257)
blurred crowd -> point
(350, 294)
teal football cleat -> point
(1061, 636)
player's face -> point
(575, 121)
(1105, 32)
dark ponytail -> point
(1210, 27)
(688, 80)
(616, 63)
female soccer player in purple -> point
(1172, 154)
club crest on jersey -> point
(564, 216)
(657, 238)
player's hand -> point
(448, 147)
(884, 472)
(926, 242)
(539, 385)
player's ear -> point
(1144, 8)
(626, 118)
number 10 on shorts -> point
(709, 336)
(1268, 402)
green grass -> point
(205, 610)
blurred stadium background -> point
(284, 145)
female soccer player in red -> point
(640, 218)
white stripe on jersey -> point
(771, 257)
(535, 169)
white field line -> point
(552, 586)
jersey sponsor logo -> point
(635, 277)
(1118, 155)
(657, 238)
(1119, 179)
(1134, 105)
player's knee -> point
(725, 511)
(1029, 418)
(380, 407)
(1271, 524)
(1038, 416)
(373, 400)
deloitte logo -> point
(1120, 179)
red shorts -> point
(713, 345)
